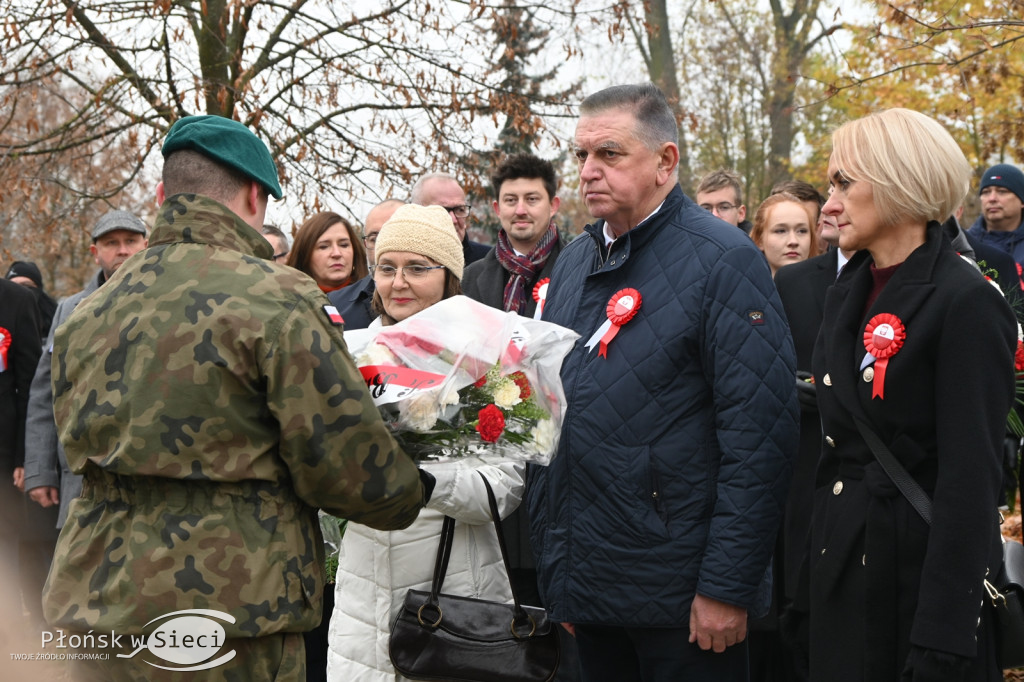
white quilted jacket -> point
(376, 568)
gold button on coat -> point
(837, 488)
(828, 380)
(828, 439)
(869, 374)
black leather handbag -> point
(1005, 590)
(1008, 605)
(444, 637)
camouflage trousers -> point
(273, 658)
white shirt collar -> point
(609, 237)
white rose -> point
(544, 435)
(506, 394)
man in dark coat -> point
(528, 242)
(27, 274)
(654, 525)
(1001, 222)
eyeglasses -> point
(370, 239)
(278, 256)
(723, 207)
(460, 211)
(409, 271)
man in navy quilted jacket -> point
(655, 523)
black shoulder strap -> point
(910, 488)
(444, 550)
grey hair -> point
(415, 194)
(655, 120)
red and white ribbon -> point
(883, 338)
(5, 343)
(389, 383)
(540, 294)
(620, 310)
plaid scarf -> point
(522, 268)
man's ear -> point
(253, 197)
(160, 193)
(555, 203)
(668, 159)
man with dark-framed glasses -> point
(442, 189)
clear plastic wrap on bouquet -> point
(463, 378)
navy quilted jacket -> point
(676, 452)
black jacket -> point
(802, 288)
(353, 303)
(675, 453)
(881, 579)
(485, 280)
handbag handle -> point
(444, 551)
(910, 488)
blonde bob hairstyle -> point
(764, 211)
(916, 170)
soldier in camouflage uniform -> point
(211, 405)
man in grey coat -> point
(117, 236)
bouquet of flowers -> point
(463, 378)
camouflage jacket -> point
(211, 406)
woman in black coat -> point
(917, 345)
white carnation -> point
(544, 435)
(506, 394)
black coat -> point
(881, 578)
(19, 324)
(485, 280)
(802, 288)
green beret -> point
(228, 142)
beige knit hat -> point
(426, 230)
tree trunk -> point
(661, 66)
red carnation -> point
(524, 385)
(491, 424)
(1018, 358)
(481, 382)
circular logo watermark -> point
(189, 639)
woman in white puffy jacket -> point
(419, 262)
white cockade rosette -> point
(463, 378)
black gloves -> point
(429, 482)
(929, 665)
(806, 392)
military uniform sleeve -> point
(336, 447)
